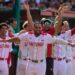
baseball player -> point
(63, 53)
(37, 42)
(23, 62)
(68, 54)
(73, 60)
(5, 49)
(23, 58)
(53, 30)
(69, 51)
(67, 36)
(59, 58)
(32, 68)
(23, 52)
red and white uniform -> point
(62, 52)
(59, 58)
(68, 53)
(22, 63)
(37, 47)
(5, 49)
(73, 61)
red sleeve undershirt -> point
(73, 31)
(51, 31)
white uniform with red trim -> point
(68, 54)
(61, 51)
(5, 49)
(23, 57)
(59, 58)
(73, 60)
(37, 47)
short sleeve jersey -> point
(5, 48)
(37, 46)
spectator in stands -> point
(13, 24)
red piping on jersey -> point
(73, 31)
(31, 32)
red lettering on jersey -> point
(4, 45)
(7, 46)
(40, 44)
(31, 43)
(1, 46)
(36, 44)
(26, 44)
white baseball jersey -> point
(73, 48)
(73, 61)
(23, 47)
(5, 48)
(37, 46)
(59, 50)
(68, 48)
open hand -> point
(26, 6)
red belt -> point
(3, 58)
(59, 59)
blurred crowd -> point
(39, 47)
(42, 4)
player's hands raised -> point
(63, 7)
(26, 6)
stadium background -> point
(14, 8)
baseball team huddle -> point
(34, 40)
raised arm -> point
(29, 17)
(58, 19)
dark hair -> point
(37, 22)
(3, 24)
(11, 20)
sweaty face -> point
(37, 29)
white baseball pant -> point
(36, 68)
(69, 68)
(22, 67)
(73, 66)
(59, 67)
(4, 70)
